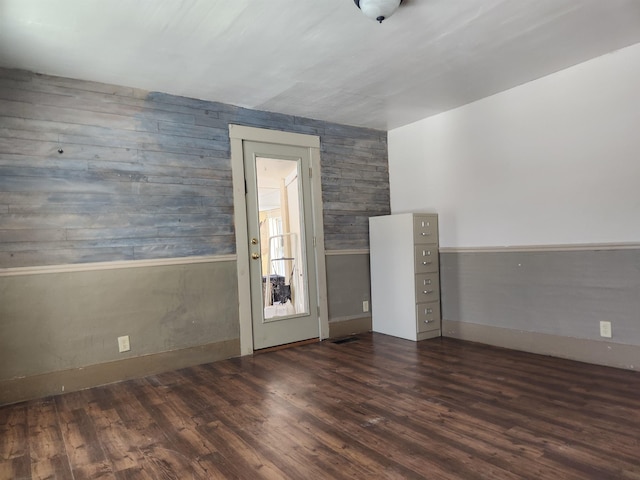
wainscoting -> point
(546, 299)
(60, 325)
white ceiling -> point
(321, 59)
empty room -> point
(343, 239)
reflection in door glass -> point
(284, 281)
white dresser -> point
(405, 276)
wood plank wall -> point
(148, 175)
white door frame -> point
(238, 134)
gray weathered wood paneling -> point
(148, 175)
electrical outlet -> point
(605, 329)
(365, 305)
(123, 344)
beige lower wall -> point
(38, 386)
(584, 350)
(348, 284)
(65, 321)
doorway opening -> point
(279, 237)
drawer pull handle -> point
(427, 311)
(428, 321)
(425, 234)
(426, 263)
(427, 292)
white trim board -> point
(95, 266)
(543, 248)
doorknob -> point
(255, 256)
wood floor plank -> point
(237, 458)
(377, 408)
(174, 449)
(272, 439)
(334, 411)
(13, 432)
(48, 456)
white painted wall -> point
(554, 161)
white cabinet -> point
(405, 276)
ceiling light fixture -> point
(378, 9)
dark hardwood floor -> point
(377, 407)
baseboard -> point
(54, 383)
(583, 350)
(349, 326)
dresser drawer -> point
(427, 287)
(425, 229)
(428, 316)
(426, 258)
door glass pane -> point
(284, 277)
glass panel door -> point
(283, 262)
(282, 270)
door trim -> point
(238, 134)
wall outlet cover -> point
(365, 305)
(605, 329)
(123, 344)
